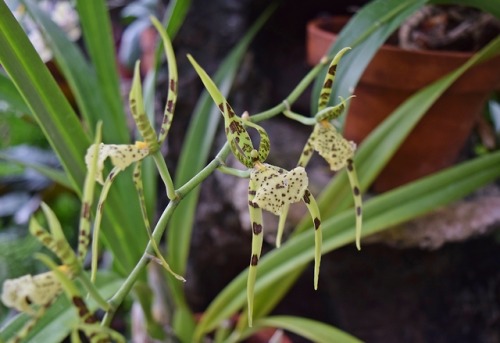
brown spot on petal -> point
(253, 204)
(80, 305)
(170, 105)
(86, 210)
(356, 191)
(254, 260)
(317, 223)
(307, 197)
(256, 228)
(349, 165)
(332, 70)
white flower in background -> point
(61, 12)
(66, 17)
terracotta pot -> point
(391, 77)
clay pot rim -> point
(321, 27)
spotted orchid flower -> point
(329, 143)
(270, 188)
(124, 155)
(27, 291)
(34, 294)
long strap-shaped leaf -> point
(311, 329)
(64, 131)
(97, 33)
(41, 93)
(80, 76)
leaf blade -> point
(311, 329)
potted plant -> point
(404, 65)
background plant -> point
(280, 268)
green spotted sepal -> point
(237, 136)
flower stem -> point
(158, 231)
(164, 173)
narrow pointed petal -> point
(257, 240)
(168, 114)
(313, 208)
(358, 201)
(139, 113)
(281, 224)
(326, 91)
(87, 198)
(137, 178)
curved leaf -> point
(11, 96)
(308, 328)
(80, 76)
(96, 29)
(42, 95)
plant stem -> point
(292, 97)
(159, 229)
(93, 292)
(244, 174)
(299, 117)
(164, 173)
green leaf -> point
(96, 28)
(11, 96)
(81, 77)
(308, 328)
(64, 132)
(175, 15)
(44, 98)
